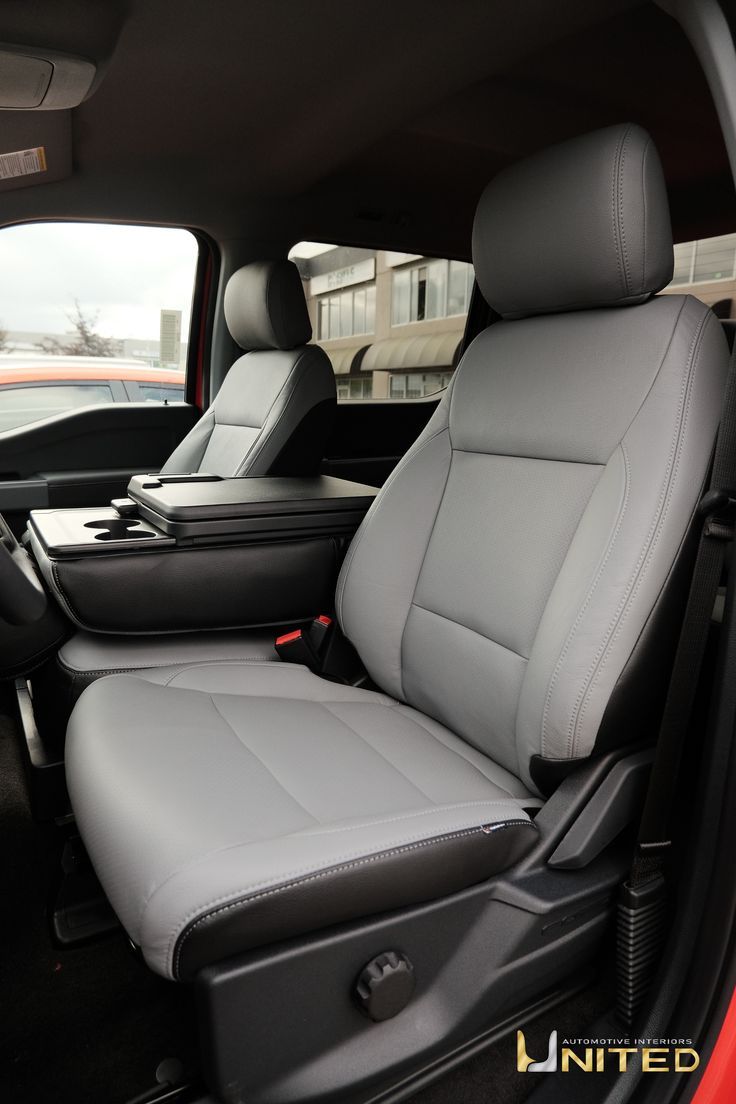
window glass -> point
(78, 295)
(359, 316)
(156, 392)
(21, 405)
(370, 309)
(437, 290)
(683, 271)
(401, 285)
(346, 314)
(369, 306)
(707, 270)
(714, 259)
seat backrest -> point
(517, 556)
(275, 408)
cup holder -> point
(115, 529)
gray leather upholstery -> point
(283, 387)
(585, 224)
(218, 798)
(569, 453)
(496, 592)
(88, 656)
(265, 306)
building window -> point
(706, 260)
(417, 385)
(354, 389)
(434, 289)
(347, 314)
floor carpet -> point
(87, 1023)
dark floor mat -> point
(86, 1023)
(493, 1077)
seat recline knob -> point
(385, 985)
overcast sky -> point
(127, 273)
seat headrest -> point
(583, 224)
(265, 306)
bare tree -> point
(87, 342)
(5, 346)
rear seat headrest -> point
(265, 306)
(583, 224)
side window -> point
(391, 323)
(92, 313)
(707, 270)
(155, 392)
(20, 405)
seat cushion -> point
(279, 803)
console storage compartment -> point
(189, 553)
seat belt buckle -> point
(307, 645)
(296, 647)
(319, 632)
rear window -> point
(92, 313)
(391, 323)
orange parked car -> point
(32, 388)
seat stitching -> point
(257, 448)
(644, 219)
(309, 833)
(594, 583)
(420, 569)
(523, 456)
(153, 665)
(239, 425)
(303, 870)
(373, 748)
(455, 751)
(257, 757)
(623, 504)
(226, 663)
(615, 219)
(315, 876)
(373, 510)
(622, 224)
(645, 559)
(468, 628)
(370, 822)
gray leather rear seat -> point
(498, 593)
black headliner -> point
(364, 121)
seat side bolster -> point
(188, 454)
(626, 545)
(310, 382)
(399, 877)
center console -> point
(196, 552)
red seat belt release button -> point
(295, 647)
(319, 631)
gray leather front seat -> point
(270, 417)
(275, 407)
(498, 593)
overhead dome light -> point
(45, 80)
